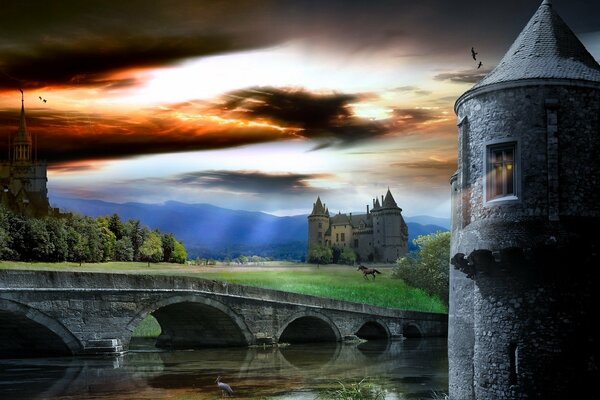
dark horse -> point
(367, 271)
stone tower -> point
(318, 223)
(526, 212)
(390, 233)
(22, 177)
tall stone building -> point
(379, 235)
(22, 177)
(526, 212)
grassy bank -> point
(336, 282)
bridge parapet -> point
(194, 312)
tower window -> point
(501, 171)
(319, 235)
(355, 242)
(320, 224)
(337, 237)
(343, 237)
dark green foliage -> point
(77, 238)
(168, 245)
(124, 249)
(347, 256)
(116, 226)
(319, 254)
(428, 268)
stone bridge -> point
(61, 313)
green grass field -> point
(331, 281)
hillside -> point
(214, 232)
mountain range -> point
(214, 232)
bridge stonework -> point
(75, 313)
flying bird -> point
(479, 66)
(40, 97)
(45, 99)
(474, 54)
(225, 388)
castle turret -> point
(318, 224)
(390, 233)
(526, 207)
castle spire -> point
(389, 201)
(22, 126)
(22, 141)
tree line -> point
(77, 238)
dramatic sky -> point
(256, 105)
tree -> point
(320, 254)
(6, 251)
(116, 226)
(57, 230)
(347, 256)
(124, 249)
(37, 239)
(151, 249)
(168, 245)
(427, 269)
(179, 254)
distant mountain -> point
(215, 232)
(427, 220)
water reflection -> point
(410, 369)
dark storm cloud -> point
(79, 42)
(467, 76)
(72, 136)
(88, 62)
(245, 181)
(315, 116)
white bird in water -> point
(225, 388)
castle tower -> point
(23, 179)
(526, 211)
(390, 233)
(318, 224)
(22, 141)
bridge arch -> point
(308, 326)
(27, 332)
(192, 321)
(373, 330)
(412, 330)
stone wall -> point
(524, 268)
(88, 307)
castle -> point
(380, 235)
(22, 177)
(525, 215)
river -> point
(410, 369)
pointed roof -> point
(546, 49)
(318, 208)
(22, 134)
(376, 205)
(389, 201)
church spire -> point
(22, 142)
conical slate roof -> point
(318, 208)
(389, 201)
(546, 49)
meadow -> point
(331, 281)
